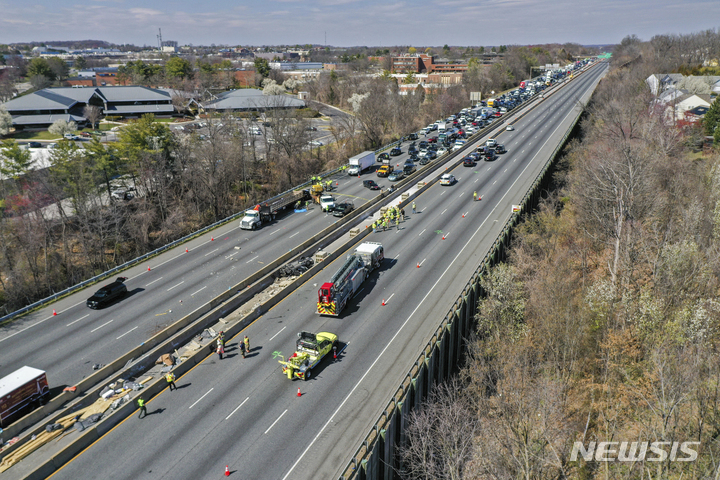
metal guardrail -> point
(400, 393)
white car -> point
(442, 151)
(354, 171)
(315, 143)
(509, 128)
(327, 202)
(491, 142)
(447, 179)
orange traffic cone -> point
(186, 250)
(418, 265)
(54, 313)
(299, 394)
(337, 184)
(443, 237)
(227, 470)
(383, 302)
(212, 239)
(148, 268)
(463, 215)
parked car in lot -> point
(396, 176)
(34, 145)
(383, 156)
(343, 209)
(108, 294)
(447, 179)
(395, 152)
(371, 185)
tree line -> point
(602, 325)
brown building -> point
(81, 81)
(421, 63)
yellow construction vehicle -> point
(310, 350)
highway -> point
(244, 413)
(68, 345)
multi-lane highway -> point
(69, 344)
(244, 413)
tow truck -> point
(310, 348)
(334, 295)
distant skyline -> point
(354, 22)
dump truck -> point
(310, 348)
(20, 392)
(265, 213)
(334, 295)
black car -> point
(468, 161)
(490, 155)
(35, 145)
(371, 185)
(343, 209)
(425, 160)
(108, 294)
(395, 152)
(413, 136)
(409, 168)
(500, 148)
(383, 156)
(412, 150)
(423, 144)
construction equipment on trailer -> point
(334, 295)
(310, 348)
(265, 213)
(21, 392)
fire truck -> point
(334, 295)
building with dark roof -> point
(40, 109)
(250, 99)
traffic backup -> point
(334, 295)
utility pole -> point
(159, 38)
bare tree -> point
(92, 114)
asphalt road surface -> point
(67, 346)
(244, 413)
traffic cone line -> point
(299, 394)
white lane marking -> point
(98, 328)
(175, 286)
(505, 170)
(296, 233)
(238, 407)
(273, 233)
(308, 213)
(461, 195)
(445, 235)
(231, 255)
(388, 300)
(489, 169)
(422, 232)
(523, 151)
(201, 398)
(443, 193)
(212, 252)
(494, 182)
(476, 180)
(157, 280)
(256, 256)
(168, 260)
(118, 338)
(465, 214)
(278, 419)
(443, 211)
(278, 333)
(27, 328)
(75, 321)
(396, 256)
(422, 261)
(199, 290)
(515, 160)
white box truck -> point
(360, 162)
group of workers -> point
(392, 214)
(170, 376)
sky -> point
(346, 23)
